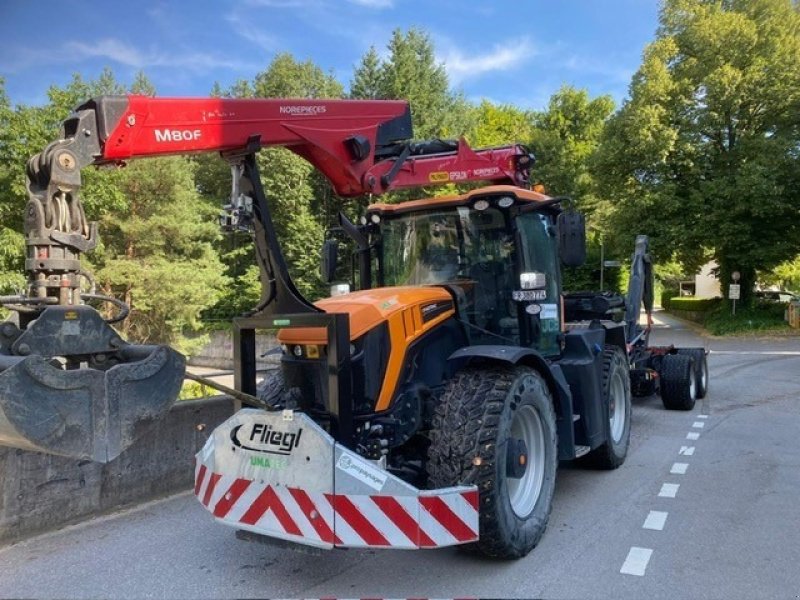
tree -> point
(157, 251)
(565, 137)
(704, 155)
(11, 242)
(367, 83)
(287, 78)
(411, 73)
(495, 125)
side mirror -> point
(572, 238)
(328, 260)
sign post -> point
(734, 289)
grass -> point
(193, 390)
(760, 318)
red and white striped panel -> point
(279, 511)
(431, 520)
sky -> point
(516, 52)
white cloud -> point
(252, 33)
(109, 48)
(610, 69)
(115, 51)
(503, 57)
(128, 55)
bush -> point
(762, 317)
(668, 294)
(694, 304)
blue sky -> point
(517, 52)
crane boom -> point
(361, 146)
(102, 391)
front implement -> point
(279, 474)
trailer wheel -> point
(700, 368)
(617, 405)
(495, 427)
(678, 387)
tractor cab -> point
(495, 249)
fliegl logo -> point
(263, 437)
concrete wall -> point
(218, 352)
(40, 492)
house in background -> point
(704, 284)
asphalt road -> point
(731, 530)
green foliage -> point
(786, 275)
(494, 125)
(565, 138)
(411, 73)
(287, 78)
(158, 250)
(193, 390)
(587, 276)
(367, 83)
(704, 154)
(693, 304)
(762, 318)
(667, 294)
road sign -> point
(734, 291)
(612, 263)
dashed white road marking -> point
(679, 468)
(636, 562)
(655, 520)
(669, 490)
(686, 450)
(702, 416)
(698, 424)
(692, 435)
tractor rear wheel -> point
(678, 382)
(700, 369)
(617, 406)
(495, 426)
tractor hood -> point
(369, 308)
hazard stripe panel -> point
(432, 519)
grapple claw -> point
(86, 413)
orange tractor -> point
(429, 408)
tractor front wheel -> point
(495, 427)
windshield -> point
(443, 245)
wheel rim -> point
(524, 492)
(617, 409)
(692, 386)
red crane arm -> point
(361, 146)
